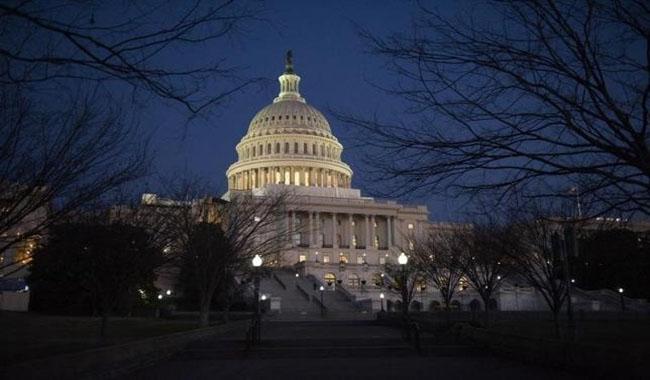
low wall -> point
(593, 360)
(14, 301)
(112, 361)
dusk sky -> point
(337, 73)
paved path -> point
(338, 350)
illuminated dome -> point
(289, 142)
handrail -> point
(275, 276)
(350, 297)
(303, 292)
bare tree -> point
(60, 150)
(54, 162)
(60, 43)
(438, 254)
(484, 260)
(544, 95)
(218, 238)
(403, 279)
(537, 258)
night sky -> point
(337, 73)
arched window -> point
(322, 150)
(277, 147)
(330, 279)
(261, 150)
(329, 153)
(304, 148)
(254, 151)
(268, 149)
(286, 147)
(313, 150)
(295, 148)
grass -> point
(27, 336)
(627, 334)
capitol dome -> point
(289, 142)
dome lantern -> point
(289, 82)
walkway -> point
(326, 350)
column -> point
(389, 228)
(351, 227)
(367, 237)
(334, 241)
(373, 230)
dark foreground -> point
(320, 350)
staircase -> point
(300, 299)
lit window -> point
(302, 258)
(326, 259)
(359, 259)
(410, 226)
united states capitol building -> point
(339, 240)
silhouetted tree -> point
(484, 259)
(438, 255)
(543, 95)
(105, 264)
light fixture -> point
(573, 280)
(297, 275)
(402, 259)
(322, 288)
(257, 219)
(620, 290)
(263, 298)
(381, 295)
(169, 292)
(160, 296)
(257, 261)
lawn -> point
(28, 336)
(631, 334)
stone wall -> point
(113, 361)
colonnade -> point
(289, 175)
(342, 230)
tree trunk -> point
(486, 304)
(204, 314)
(226, 311)
(556, 323)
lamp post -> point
(403, 260)
(620, 291)
(381, 301)
(257, 263)
(322, 309)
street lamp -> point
(257, 263)
(381, 300)
(620, 291)
(403, 260)
(322, 309)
